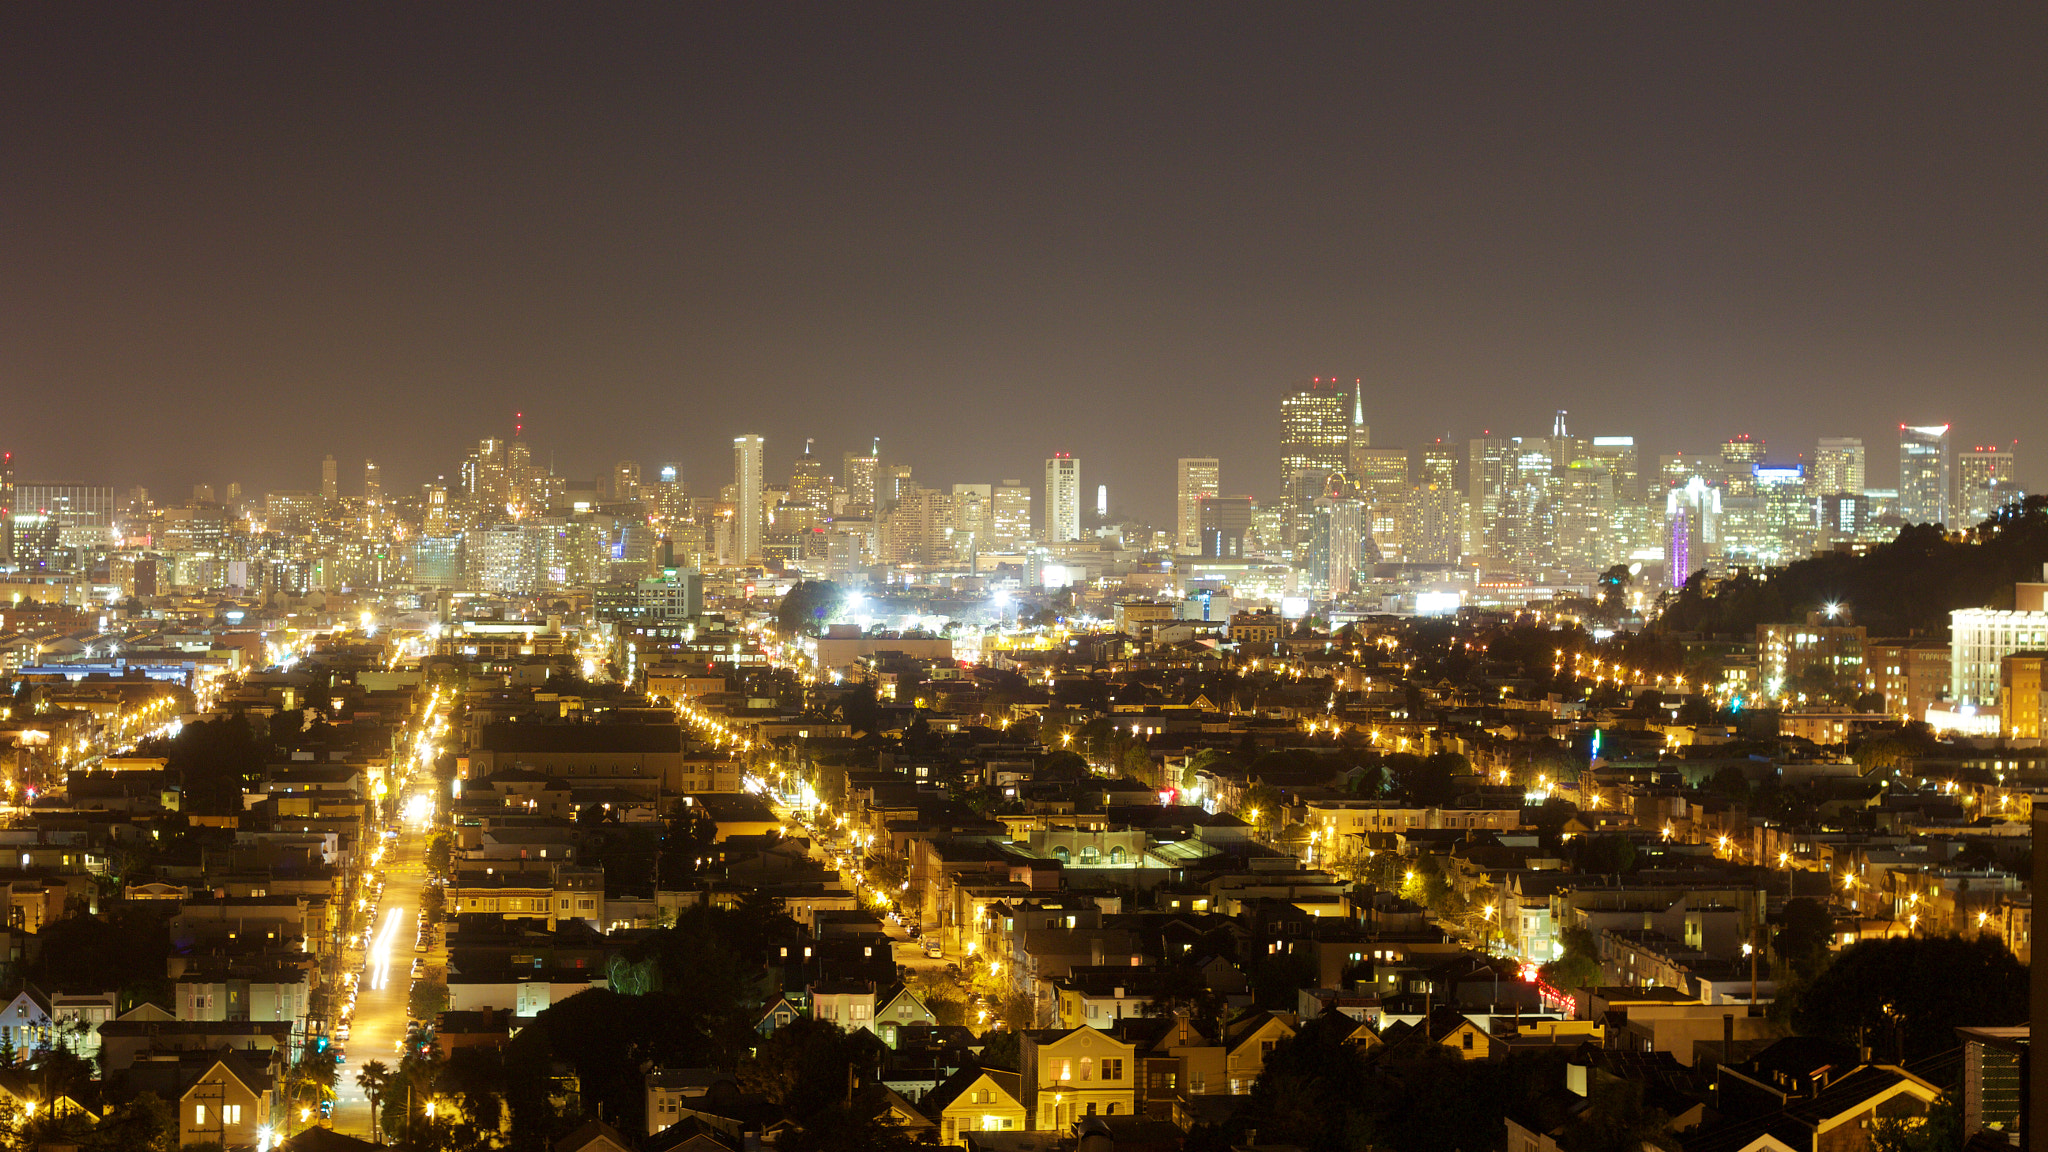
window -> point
(1113, 1069)
(1087, 1068)
(199, 1115)
(1091, 1107)
(1466, 1041)
(1066, 1069)
(231, 1113)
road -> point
(378, 1029)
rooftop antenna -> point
(1557, 429)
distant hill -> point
(1907, 586)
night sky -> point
(236, 237)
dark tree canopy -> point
(1906, 996)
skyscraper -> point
(626, 481)
(1739, 455)
(373, 485)
(330, 479)
(1837, 466)
(749, 512)
(1225, 522)
(1199, 476)
(1923, 474)
(1062, 499)
(1381, 476)
(1984, 483)
(1433, 527)
(7, 507)
(1315, 439)
(859, 473)
(972, 506)
(1009, 516)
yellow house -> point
(1250, 1041)
(1077, 1072)
(977, 1100)
(227, 1104)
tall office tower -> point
(1062, 499)
(750, 513)
(435, 517)
(1837, 467)
(626, 481)
(522, 481)
(973, 505)
(859, 473)
(1225, 524)
(1984, 483)
(1582, 518)
(1693, 525)
(1009, 517)
(373, 482)
(7, 508)
(808, 484)
(892, 484)
(1923, 474)
(1361, 432)
(1342, 542)
(330, 479)
(1433, 528)
(1199, 476)
(1790, 516)
(1526, 519)
(1381, 475)
(1315, 439)
(1489, 465)
(483, 481)
(1617, 454)
(1739, 454)
(919, 529)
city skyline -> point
(1680, 228)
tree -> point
(1802, 938)
(1906, 996)
(1941, 1130)
(1579, 966)
(1617, 1120)
(375, 1079)
(807, 606)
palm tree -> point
(375, 1081)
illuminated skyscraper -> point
(330, 479)
(7, 507)
(808, 484)
(373, 485)
(1923, 474)
(750, 513)
(1381, 476)
(1837, 467)
(1225, 523)
(1009, 517)
(859, 474)
(1199, 476)
(1490, 465)
(1433, 528)
(1984, 483)
(626, 481)
(1738, 455)
(972, 507)
(1315, 439)
(1062, 499)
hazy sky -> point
(236, 237)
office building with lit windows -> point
(1924, 474)
(1062, 499)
